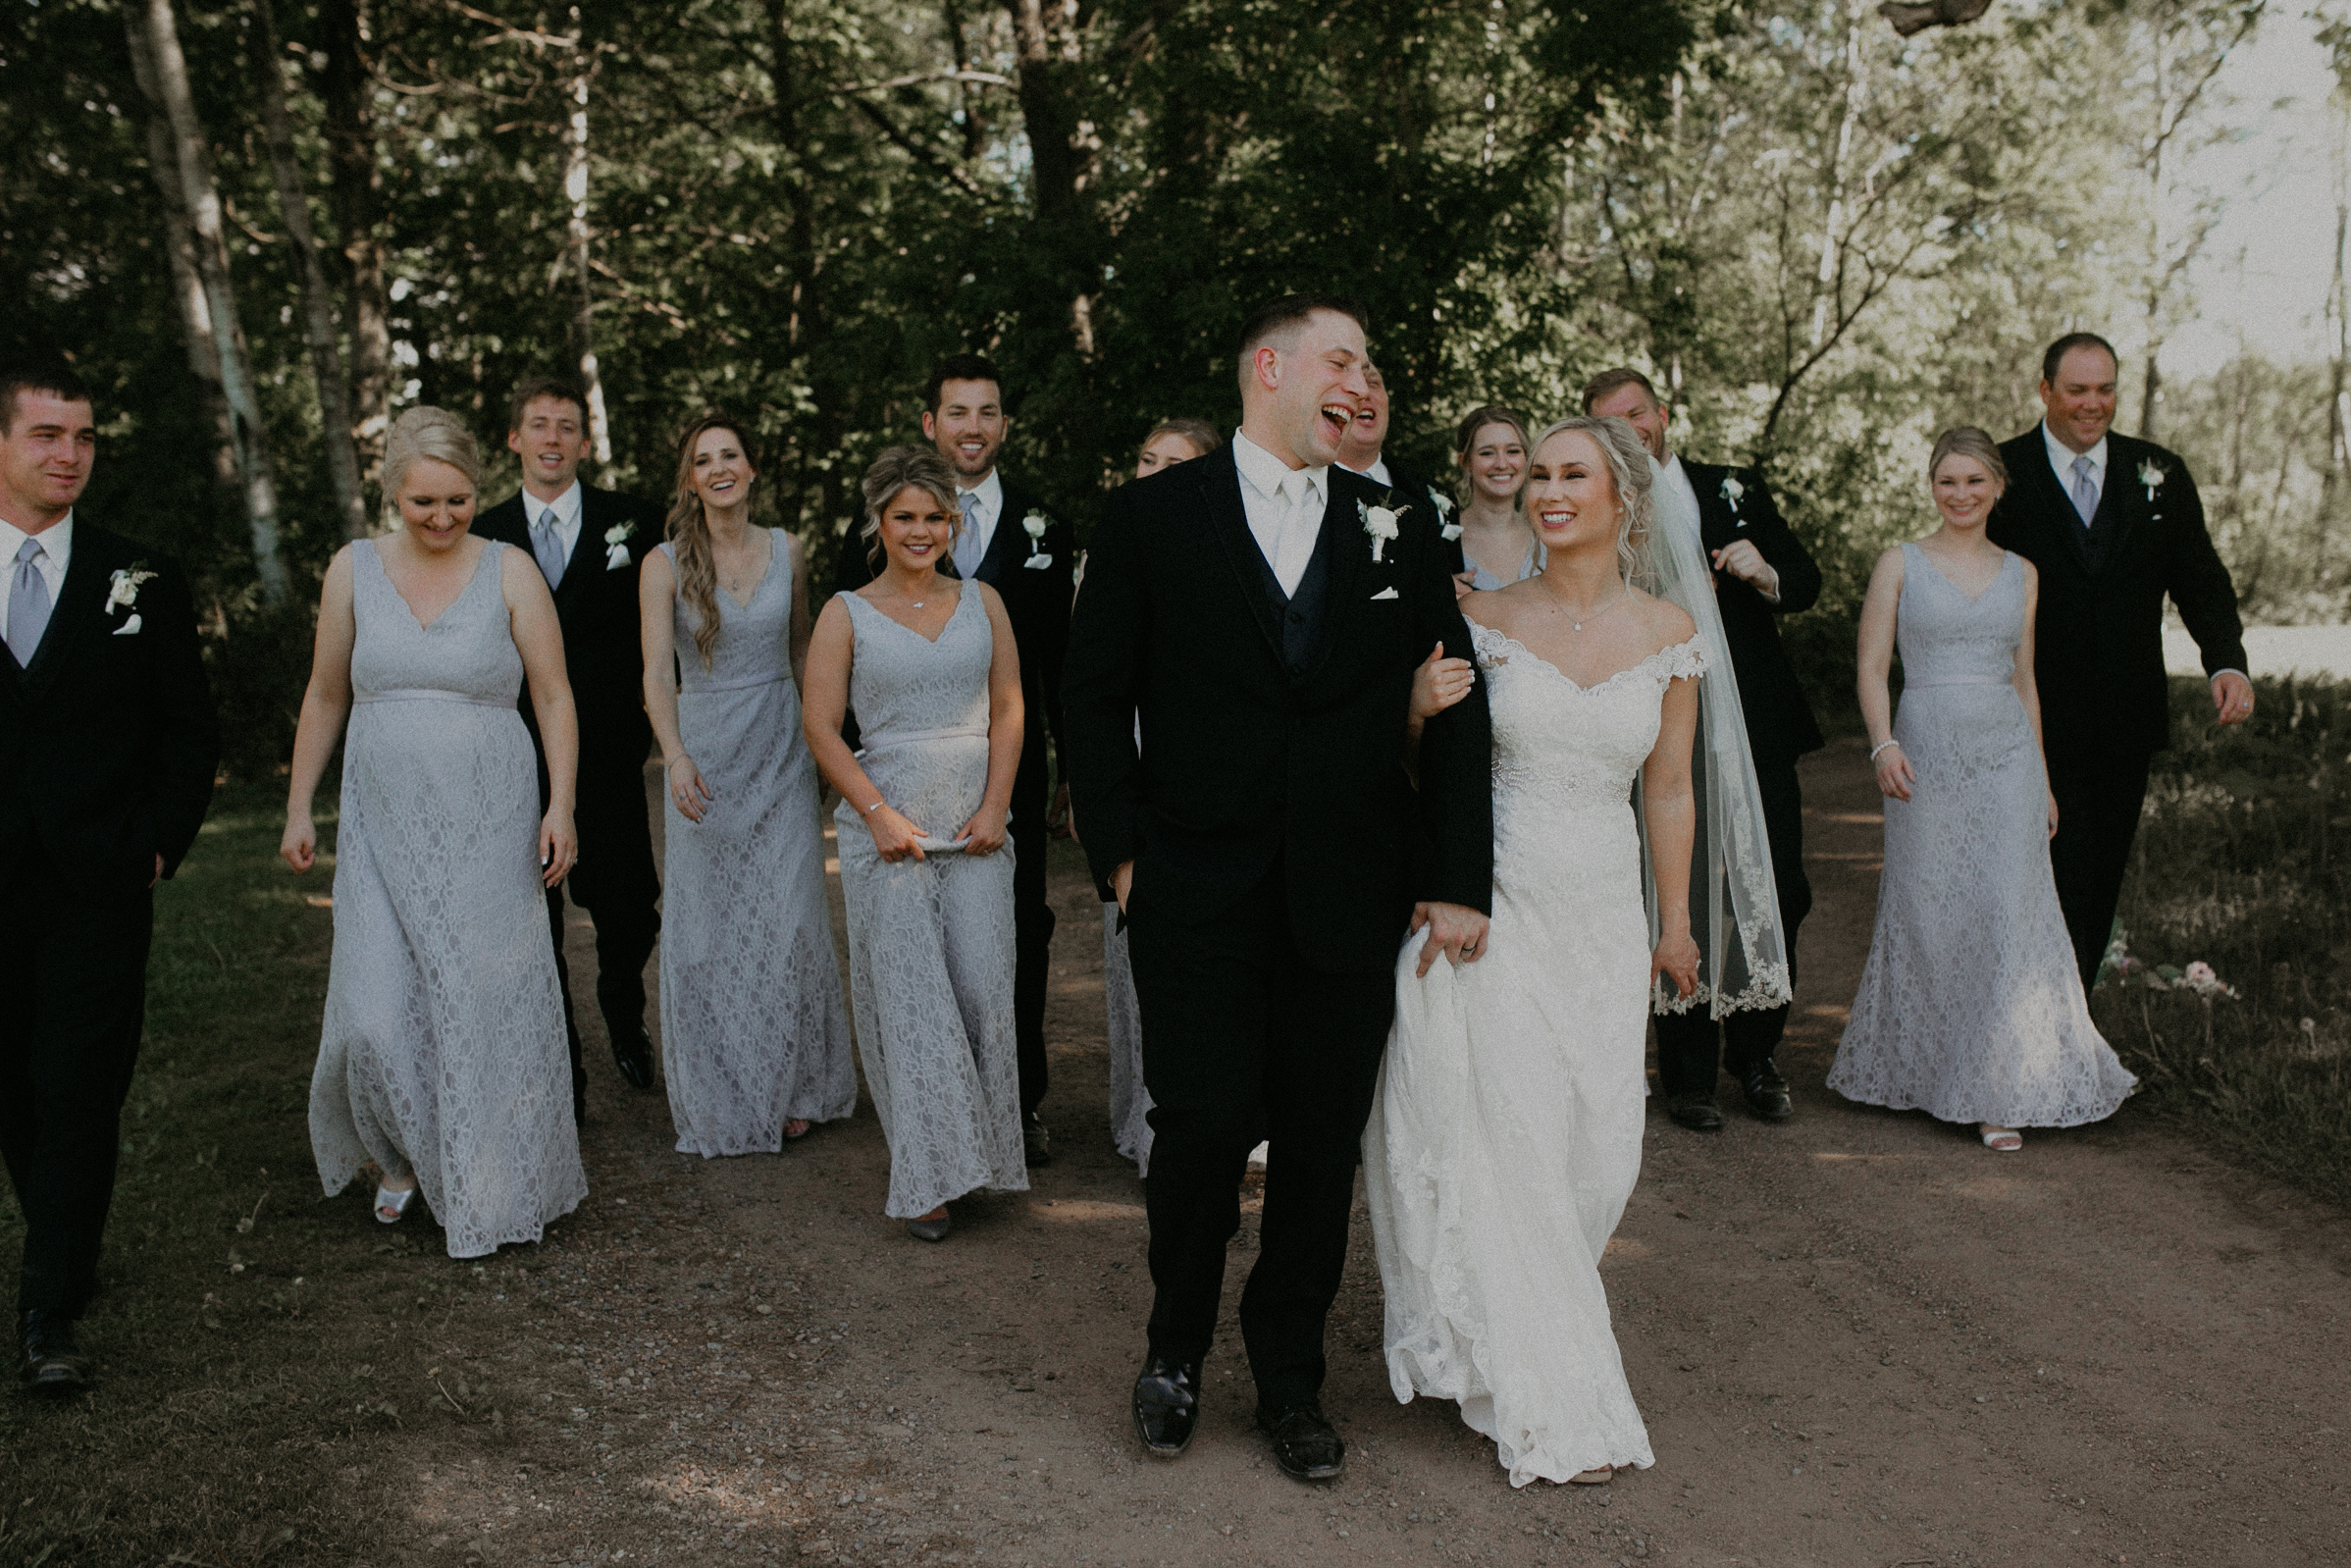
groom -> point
(1261, 611)
(589, 543)
(2114, 524)
(107, 751)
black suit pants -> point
(76, 994)
(1691, 1048)
(1032, 933)
(2099, 794)
(1244, 1043)
(620, 894)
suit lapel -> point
(998, 564)
(81, 596)
(1228, 522)
(1715, 522)
(2057, 508)
(587, 551)
(1348, 559)
(2117, 506)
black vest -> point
(1303, 614)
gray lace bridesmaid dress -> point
(1970, 1007)
(754, 1033)
(930, 941)
(443, 1050)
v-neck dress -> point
(443, 1050)
(754, 1032)
(930, 941)
(1970, 1007)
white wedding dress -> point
(1507, 1132)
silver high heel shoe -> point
(391, 1205)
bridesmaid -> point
(929, 665)
(1970, 1007)
(1172, 442)
(1497, 548)
(442, 1057)
(754, 1042)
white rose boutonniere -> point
(121, 588)
(2151, 475)
(1380, 523)
(616, 545)
(1447, 528)
(1033, 525)
(1732, 490)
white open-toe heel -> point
(391, 1205)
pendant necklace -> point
(1590, 614)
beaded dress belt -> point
(427, 694)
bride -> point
(1507, 1132)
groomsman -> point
(1761, 572)
(588, 544)
(1012, 544)
(1360, 452)
(2114, 524)
(108, 746)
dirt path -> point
(1858, 1338)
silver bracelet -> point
(875, 807)
(1881, 746)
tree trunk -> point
(318, 301)
(575, 188)
(154, 35)
(806, 326)
(2338, 323)
(1824, 284)
(1058, 165)
(356, 196)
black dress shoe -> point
(1306, 1446)
(1167, 1405)
(1036, 1145)
(1767, 1092)
(1696, 1112)
(633, 1054)
(51, 1362)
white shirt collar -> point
(1378, 473)
(990, 492)
(565, 506)
(57, 542)
(2060, 459)
(1265, 472)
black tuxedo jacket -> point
(1243, 764)
(1780, 727)
(1036, 601)
(2098, 654)
(597, 604)
(107, 742)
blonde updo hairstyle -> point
(1965, 441)
(689, 532)
(897, 469)
(428, 432)
(1629, 474)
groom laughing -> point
(1260, 613)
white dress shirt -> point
(1378, 473)
(2061, 463)
(567, 509)
(1285, 507)
(971, 545)
(57, 549)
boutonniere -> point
(2151, 475)
(1380, 522)
(1732, 490)
(616, 545)
(122, 591)
(1033, 525)
(1447, 529)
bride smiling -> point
(1506, 1136)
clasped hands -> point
(896, 839)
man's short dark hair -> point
(959, 367)
(2056, 355)
(1608, 381)
(535, 387)
(55, 379)
(1292, 310)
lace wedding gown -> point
(1507, 1132)
(753, 1030)
(443, 1050)
(1970, 1008)
(930, 941)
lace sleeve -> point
(1684, 662)
(1487, 646)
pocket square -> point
(129, 628)
(617, 557)
(1038, 562)
(1385, 593)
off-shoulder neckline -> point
(1690, 645)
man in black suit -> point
(2114, 524)
(1361, 453)
(1012, 544)
(588, 544)
(1761, 572)
(1266, 844)
(108, 747)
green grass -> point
(2243, 861)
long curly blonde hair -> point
(689, 533)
